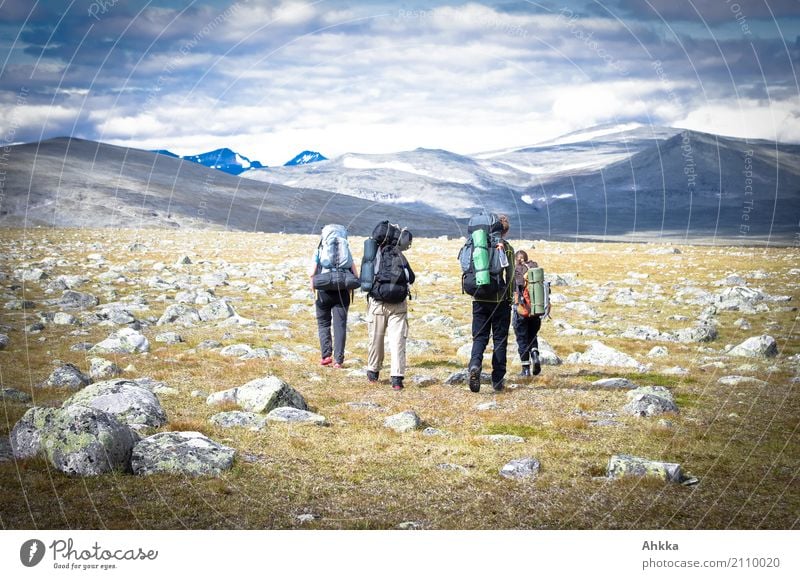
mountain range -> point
(231, 162)
(613, 182)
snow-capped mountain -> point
(223, 159)
(610, 180)
(305, 158)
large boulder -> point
(26, 436)
(295, 416)
(623, 465)
(185, 453)
(179, 314)
(547, 356)
(67, 376)
(698, 333)
(126, 400)
(403, 422)
(72, 300)
(217, 310)
(123, 341)
(756, 347)
(87, 441)
(261, 395)
(598, 354)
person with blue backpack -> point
(333, 277)
(487, 265)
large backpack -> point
(383, 273)
(483, 258)
(334, 249)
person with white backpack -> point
(333, 277)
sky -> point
(272, 78)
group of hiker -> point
(504, 285)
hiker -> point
(526, 322)
(389, 289)
(487, 263)
(333, 277)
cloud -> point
(712, 11)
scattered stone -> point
(81, 347)
(487, 406)
(502, 438)
(430, 431)
(622, 465)
(582, 308)
(64, 319)
(237, 350)
(296, 416)
(127, 401)
(87, 441)
(19, 305)
(179, 314)
(422, 381)
(237, 418)
(364, 405)
(306, 518)
(4, 341)
(209, 345)
(547, 356)
(217, 310)
(675, 371)
(521, 468)
(742, 324)
(403, 422)
(123, 341)
(198, 394)
(261, 395)
(410, 526)
(598, 354)
(188, 453)
(699, 333)
(67, 376)
(615, 384)
(452, 467)
(184, 260)
(461, 377)
(14, 395)
(102, 369)
(650, 401)
(646, 333)
(169, 338)
(74, 300)
(737, 380)
(756, 347)
(658, 352)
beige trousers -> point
(386, 318)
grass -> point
(355, 474)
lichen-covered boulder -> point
(67, 376)
(73, 300)
(217, 310)
(622, 465)
(123, 341)
(237, 418)
(756, 347)
(521, 468)
(102, 369)
(26, 436)
(261, 395)
(403, 422)
(14, 395)
(185, 453)
(179, 314)
(86, 441)
(295, 416)
(129, 402)
(650, 401)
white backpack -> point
(334, 249)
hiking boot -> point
(475, 379)
(338, 364)
(499, 386)
(326, 361)
(372, 376)
(537, 364)
(397, 382)
(526, 370)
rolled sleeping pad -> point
(480, 256)
(368, 264)
(536, 288)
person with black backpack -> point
(333, 277)
(387, 276)
(487, 264)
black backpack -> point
(497, 284)
(391, 283)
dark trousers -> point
(332, 307)
(526, 330)
(495, 319)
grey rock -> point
(14, 395)
(430, 431)
(614, 384)
(622, 465)
(582, 308)
(487, 406)
(74, 300)
(26, 436)
(521, 468)
(30, 274)
(756, 347)
(403, 422)
(87, 441)
(598, 354)
(4, 341)
(187, 453)
(179, 314)
(81, 347)
(675, 371)
(650, 401)
(742, 324)
(127, 401)
(462, 376)
(547, 356)
(67, 376)
(19, 305)
(102, 369)
(658, 352)
(169, 338)
(34, 328)
(422, 381)
(452, 467)
(647, 333)
(209, 345)
(364, 405)
(64, 319)
(261, 395)
(217, 310)
(699, 333)
(239, 419)
(737, 380)
(502, 438)
(295, 416)
(410, 526)
(236, 350)
(123, 341)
